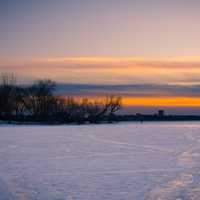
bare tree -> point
(115, 104)
(40, 98)
(98, 110)
(38, 102)
(8, 94)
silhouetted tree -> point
(115, 104)
(8, 94)
(39, 98)
(100, 110)
(39, 103)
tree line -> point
(38, 102)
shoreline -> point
(184, 119)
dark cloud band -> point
(142, 90)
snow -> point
(125, 161)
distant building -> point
(161, 113)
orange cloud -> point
(110, 70)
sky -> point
(66, 28)
(148, 51)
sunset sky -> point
(147, 51)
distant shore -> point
(155, 117)
(115, 119)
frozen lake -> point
(127, 161)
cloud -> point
(134, 90)
(109, 70)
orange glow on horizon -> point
(149, 101)
(162, 101)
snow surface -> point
(127, 161)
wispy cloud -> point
(109, 70)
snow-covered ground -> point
(127, 161)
